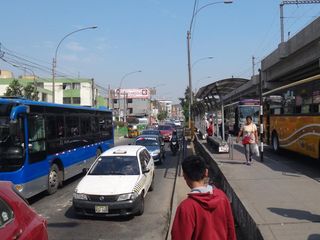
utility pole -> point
(261, 116)
(295, 2)
(253, 65)
(92, 91)
(190, 80)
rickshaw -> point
(133, 130)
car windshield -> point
(115, 165)
(149, 132)
(147, 142)
(164, 128)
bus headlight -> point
(19, 187)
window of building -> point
(76, 100)
(75, 85)
(44, 97)
(66, 100)
(130, 110)
(115, 100)
(40, 84)
(129, 100)
(66, 86)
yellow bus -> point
(292, 117)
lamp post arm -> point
(81, 29)
(195, 12)
(126, 76)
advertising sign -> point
(137, 93)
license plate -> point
(101, 209)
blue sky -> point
(147, 35)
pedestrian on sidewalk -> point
(206, 213)
(249, 134)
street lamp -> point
(119, 90)
(195, 12)
(201, 59)
(54, 61)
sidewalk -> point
(270, 200)
(181, 188)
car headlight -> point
(80, 196)
(156, 152)
(128, 196)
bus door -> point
(36, 138)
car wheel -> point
(53, 179)
(141, 207)
(275, 142)
(151, 188)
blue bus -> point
(42, 144)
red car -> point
(17, 219)
(166, 131)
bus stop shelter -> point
(212, 96)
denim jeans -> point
(248, 152)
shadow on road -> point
(70, 213)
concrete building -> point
(131, 102)
(82, 92)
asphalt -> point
(270, 200)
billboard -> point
(137, 93)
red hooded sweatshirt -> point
(204, 216)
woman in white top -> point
(249, 137)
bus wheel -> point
(275, 142)
(53, 179)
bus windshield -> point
(11, 151)
(252, 111)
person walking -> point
(206, 212)
(249, 135)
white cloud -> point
(75, 46)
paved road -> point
(153, 224)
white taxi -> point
(116, 183)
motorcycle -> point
(174, 146)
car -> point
(17, 219)
(153, 132)
(166, 131)
(177, 123)
(155, 146)
(116, 184)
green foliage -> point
(30, 92)
(184, 102)
(15, 89)
(162, 115)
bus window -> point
(84, 125)
(72, 126)
(37, 146)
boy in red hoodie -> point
(206, 213)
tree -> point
(184, 102)
(15, 89)
(162, 115)
(30, 92)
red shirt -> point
(204, 216)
